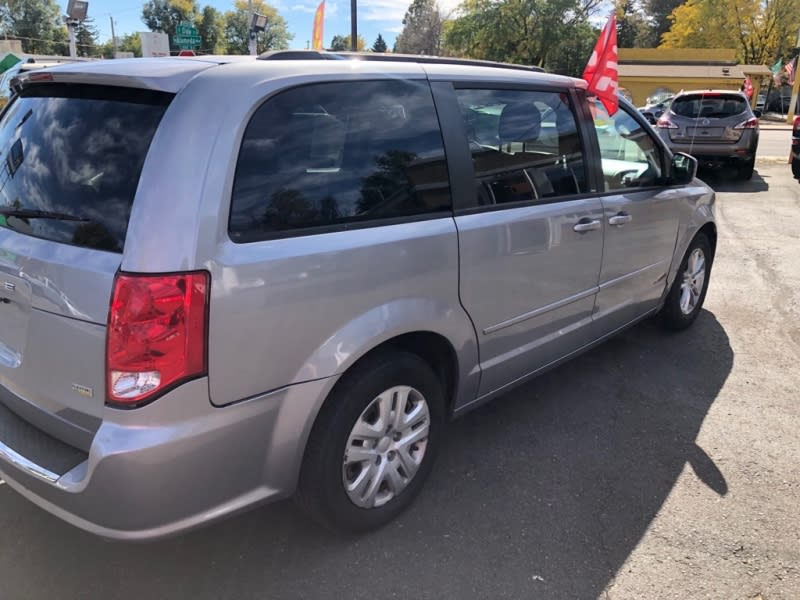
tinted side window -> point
(334, 154)
(630, 157)
(525, 145)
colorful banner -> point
(319, 26)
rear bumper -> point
(178, 463)
(744, 149)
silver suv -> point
(225, 281)
(716, 127)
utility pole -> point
(73, 46)
(114, 37)
(76, 14)
(251, 45)
(353, 26)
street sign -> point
(154, 44)
(186, 36)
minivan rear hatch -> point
(70, 159)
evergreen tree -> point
(379, 45)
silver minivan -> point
(225, 281)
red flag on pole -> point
(601, 71)
(319, 23)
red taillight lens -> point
(749, 124)
(665, 123)
(796, 125)
(156, 334)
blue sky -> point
(374, 17)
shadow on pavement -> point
(541, 494)
(723, 179)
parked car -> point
(715, 126)
(652, 112)
(199, 316)
(794, 155)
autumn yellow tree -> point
(760, 30)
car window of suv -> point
(339, 154)
(525, 145)
(629, 154)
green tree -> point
(760, 32)
(571, 54)
(658, 13)
(341, 43)
(165, 15)
(211, 27)
(528, 32)
(37, 23)
(633, 30)
(86, 39)
(422, 29)
(380, 44)
(276, 36)
(130, 42)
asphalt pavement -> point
(656, 466)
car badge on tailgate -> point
(705, 122)
(83, 390)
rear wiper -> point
(29, 213)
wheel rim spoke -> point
(359, 454)
(378, 477)
(410, 464)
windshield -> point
(709, 106)
(71, 158)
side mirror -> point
(684, 168)
(757, 113)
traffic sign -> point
(187, 53)
(186, 36)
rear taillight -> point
(156, 334)
(796, 126)
(665, 123)
(749, 124)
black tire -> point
(671, 315)
(321, 491)
(745, 170)
(795, 166)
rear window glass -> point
(709, 107)
(71, 159)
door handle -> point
(585, 225)
(620, 219)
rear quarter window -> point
(71, 160)
(335, 155)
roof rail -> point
(389, 57)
